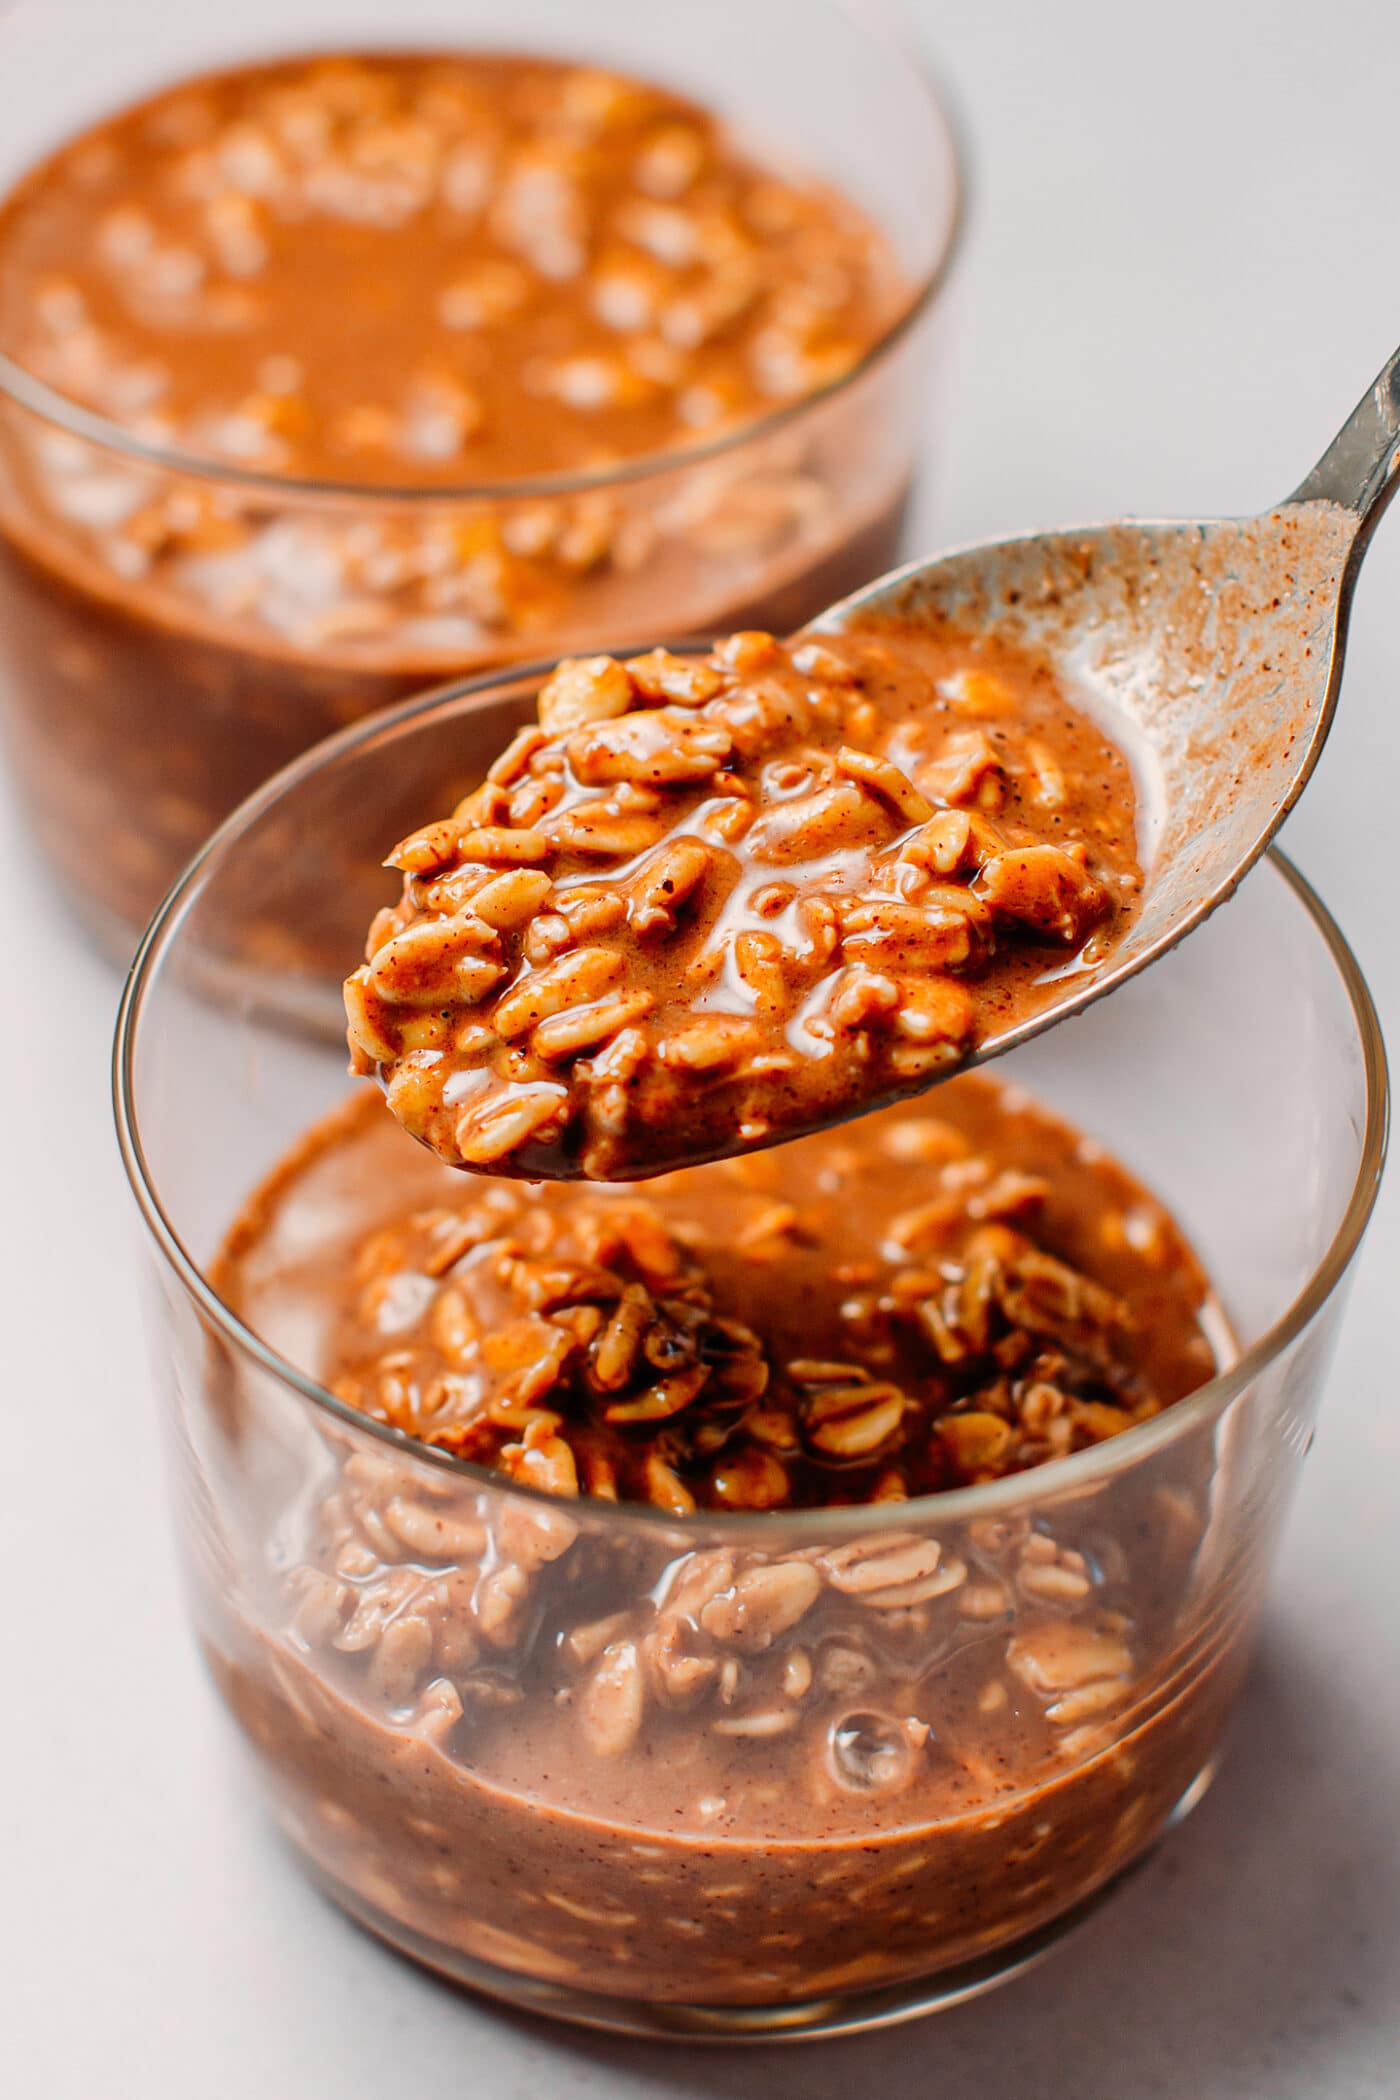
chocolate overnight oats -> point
(708, 902)
(651, 1761)
(314, 301)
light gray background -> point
(1184, 266)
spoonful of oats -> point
(710, 901)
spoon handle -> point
(1359, 468)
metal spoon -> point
(1212, 651)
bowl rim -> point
(50, 405)
(1069, 1475)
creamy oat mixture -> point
(664, 1764)
(915, 1303)
(710, 901)
(435, 268)
(423, 272)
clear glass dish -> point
(141, 702)
(518, 1790)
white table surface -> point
(1184, 267)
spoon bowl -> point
(1210, 652)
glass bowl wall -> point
(173, 630)
(479, 1789)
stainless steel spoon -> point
(1211, 650)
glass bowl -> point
(174, 630)
(678, 1868)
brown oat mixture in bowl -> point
(325, 377)
(916, 1303)
(853, 1322)
(775, 1597)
